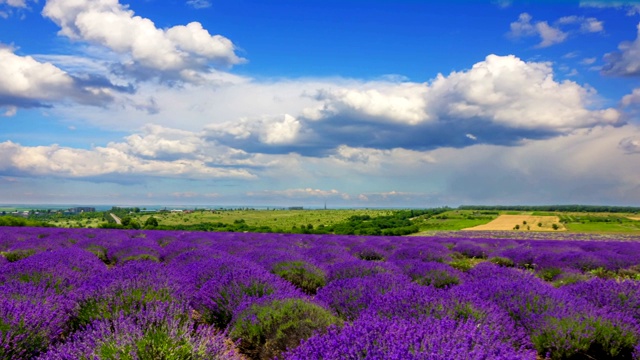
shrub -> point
(502, 261)
(584, 338)
(267, 330)
(603, 273)
(302, 275)
(161, 331)
(434, 274)
(549, 274)
(13, 256)
(220, 297)
(123, 291)
(465, 264)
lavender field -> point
(114, 294)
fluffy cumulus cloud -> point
(151, 50)
(157, 142)
(501, 100)
(155, 152)
(625, 61)
(402, 103)
(278, 132)
(632, 99)
(25, 82)
(507, 91)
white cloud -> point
(501, 100)
(159, 142)
(24, 77)
(509, 91)
(9, 111)
(626, 61)
(297, 193)
(631, 99)
(631, 145)
(632, 7)
(100, 162)
(112, 25)
(587, 25)
(503, 90)
(25, 82)
(503, 4)
(16, 3)
(549, 35)
(199, 4)
(543, 171)
(401, 103)
(592, 25)
(267, 130)
(553, 34)
(281, 132)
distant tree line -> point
(561, 208)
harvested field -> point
(637, 218)
(522, 223)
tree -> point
(151, 222)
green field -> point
(282, 219)
(294, 220)
(274, 219)
(601, 222)
(455, 220)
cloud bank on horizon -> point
(104, 101)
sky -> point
(300, 102)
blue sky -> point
(356, 103)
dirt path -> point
(523, 222)
(117, 219)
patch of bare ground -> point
(637, 218)
(522, 223)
